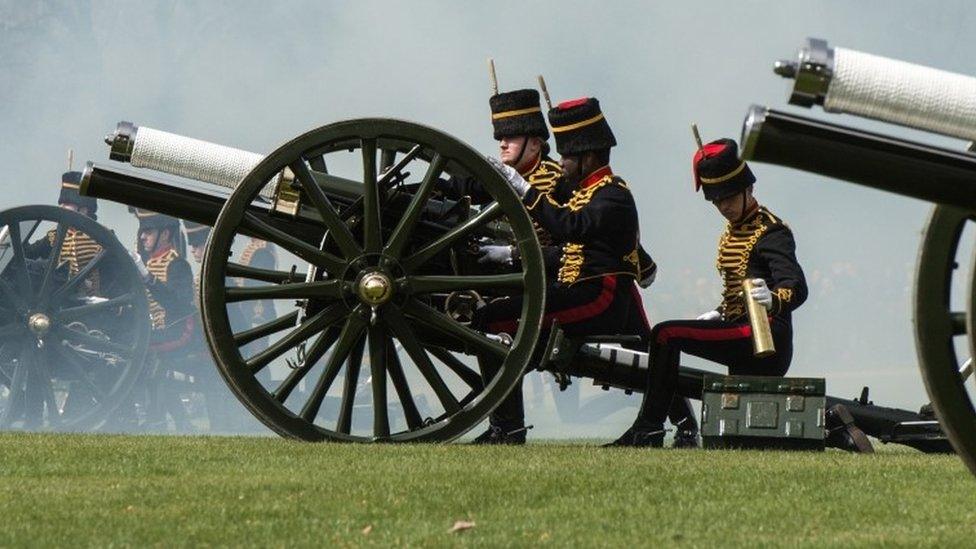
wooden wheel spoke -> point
(302, 249)
(404, 333)
(459, 232)
(60, 234)
(445, 283)
(379, 344)
(347, 338)
(402, 388)
(15, 400)
(372, 230)
(70, 358)
(43, 381)
(338, 230)
(11, 295)
(322, 344)
(81, 311)
(441, 323)
(320, 289)
(388, 171)
(266, 329)
(254, 273)
(17, 245)
(80, 276)
(353, 366)
(401, 234)
(93, 343)
(317, 323)
(467, 375)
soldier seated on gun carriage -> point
(757, 246)
(594, 289)
(77, 249)
(169, 282)
(522, 133)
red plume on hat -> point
(718, 170)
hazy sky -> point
(254, 74)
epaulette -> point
(582, 197)
(545, 176)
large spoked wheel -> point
(937, 326)
(365, 276)
(74, 320)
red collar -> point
(160, 253)
(596, 176)
(535, 165)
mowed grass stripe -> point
(144, 490)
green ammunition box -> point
(763, 412)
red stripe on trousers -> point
(568, 316)
(704, 334)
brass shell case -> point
(762, 336)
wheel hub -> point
(39, 324)
(375, 289)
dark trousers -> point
(727, 343)
(608, 305)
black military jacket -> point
(544, 177)
(761, 246)
(170, 295)
(597, 228)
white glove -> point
(140, 265)
(760, 292)
(515, 180)
(710, 315)
(495, 253)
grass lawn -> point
(70, 490)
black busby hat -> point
(517, 113)
(70, 184)
(718, 170)
(196, 233)
(579, 126)
(152, 220)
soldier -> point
(259, 254)
(169, 282)
(78, 248)
(594, 290)
(756, 245)
(522, 135)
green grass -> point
(144, 490)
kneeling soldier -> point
(756, 245)
(594, 289)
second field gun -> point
(848, 81)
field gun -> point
(372, 260)
(847, 81)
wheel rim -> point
(936, 326)
(73, 333)
(379, 254)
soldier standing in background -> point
(260, 255)
(169, 282)
(756, 245)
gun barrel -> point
(848, 81)
(200, 205)
(887, 163)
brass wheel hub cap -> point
(375, 289)
(39, 324)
